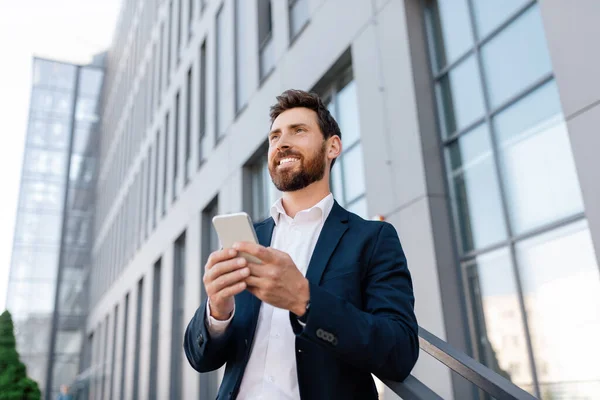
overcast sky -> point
(65, 30)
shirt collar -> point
(323, 208)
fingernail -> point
(245, 272)
(241, 261)
(232, 252)
(236, 246)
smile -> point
(286, 161)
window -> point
(202, 113)
(178, 38)
(149, 204)
(190, 19)
(263, 192)
(114, 351)
(175, 150)
(138, 331)
(298, 14)
(224, 71)
(177, 317)
(266, 49)
(347, 175)
(188, 128)
(156, 175)
(243, 55)
(124, 352)
(165, 164)
(209, 382)
(169, 38)
(154, 330)
(160, 62)
(514, 192)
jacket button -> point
(200, 340)
(320, 333)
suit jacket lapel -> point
(333, 229)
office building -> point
(467, 124)
(47, 293)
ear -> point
(334, 148)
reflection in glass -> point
(243, 55)
(524, 43)
(561, 288)
(497, 317)
(348, 119)
(475, 190)
(535, 154)
(90, 82)
(459, 97)
(54, 74)
(31, 263)
(450, 29)
(354, 173)
(490, 14)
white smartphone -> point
(237, 227)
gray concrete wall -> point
(403, 174)
(572, 32)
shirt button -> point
(270, 379)
(277, 335)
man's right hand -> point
(224, 277)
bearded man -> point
(332, 301)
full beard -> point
(310, 171)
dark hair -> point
(294, 98)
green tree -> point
(14, 383)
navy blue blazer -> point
(361, 318)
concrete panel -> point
(400, 103)
(572, 32)
(379, 165)
(310, 56)
(585, 142)
(413, 224)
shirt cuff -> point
(216, 327)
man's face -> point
(297, 150)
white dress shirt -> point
(271, 370)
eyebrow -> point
(292, 126)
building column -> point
(405, 175)
(571, 32)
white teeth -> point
(287, 160)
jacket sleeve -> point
(383, 336)
(205, 353)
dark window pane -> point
(450, 31)
(459, 97)
(524, 43)
(348, 119)
(476, 193)
(298, 16)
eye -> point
(273, 137)
(299, 130)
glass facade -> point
(521, 231)
(347, 175)
(47, 288)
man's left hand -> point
(277, 281)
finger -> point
(224, 267)
(259, 270)
(254, 282)
(262, 253)
(233, 289)
(229, 279)
(219, 256)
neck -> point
(294, 202)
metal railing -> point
(481, 376)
